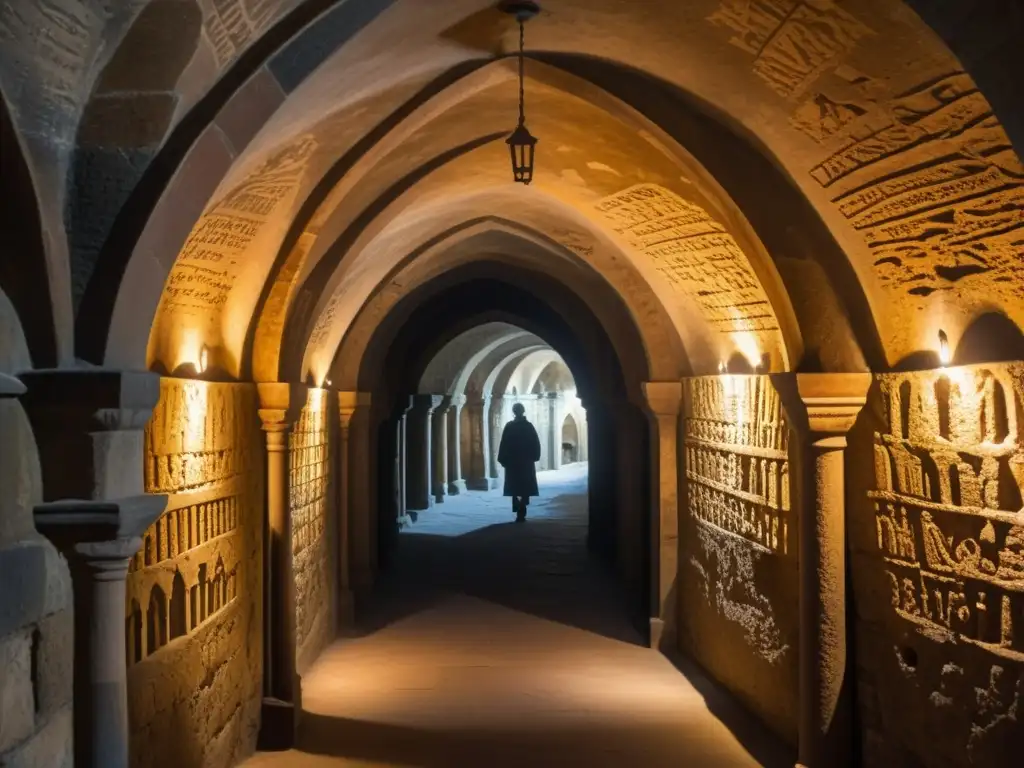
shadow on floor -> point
(610, 745)
(541, 567)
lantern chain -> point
(522, 94)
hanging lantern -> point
(521, 142)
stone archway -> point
(570, 440)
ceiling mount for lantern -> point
(521, 143)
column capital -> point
(664, 398)
(281, 403)
(349, 403)
(552, 395)
(88, 425)
(11, 386)
(426, 402)
(458, 400)
(99, 530)
(823, 405)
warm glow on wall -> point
(191, 350)
(748, 346)
(944, 356)
(204, 359)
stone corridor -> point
(489, 643)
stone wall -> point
(193, 618)
(738, 564)
(36, 628)
(936, 530)
(314, 530)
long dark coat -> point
(519, 449)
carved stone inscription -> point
(213, 255)
(310, 507)
(932, 183)
(193, 618)
(696, 255)
(737, 460)
(949, 473)
(793, 41)
(231, 25)
(739, 543)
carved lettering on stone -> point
(214, 254)
(949, 473)
(311, 458)
(229, 26)
(696, 255)
(737, 460)
(793, 42)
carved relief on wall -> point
(697, 256)
(193, 592)
(737, 460)
(310, 457)
(793, 41)
(949, 473)
(230, 26)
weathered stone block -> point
(49, 748)
(54, 662)
(17, 716)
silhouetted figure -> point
(517, 453)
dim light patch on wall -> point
(702, 261)
(193, 590)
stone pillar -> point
(456, 483)
(822, 408)
(664, 400)
(554, 436)
(479, 461)
(280, 406)
(418, 440)
(362, 491)
(439, 450)
(402, 421)
(496, 416)
(350, 485)
(89, 428)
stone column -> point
(822, 408)
(280, 405)
(362, 491)
(439, 451)
(418, 435)
(402, 417)
(554, 432)
(479, 462)
(456, 484)
(664, 400)
(348, 483)
(496, 414)
(89, 428)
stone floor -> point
(491, 643)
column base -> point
(478, 484)
(657, 632)
(455, 487)
(279, 721)
(493, 483)
(439, 495)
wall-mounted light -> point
(944, 356)
(204, 358)
(327, 382)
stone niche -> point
(314, 531)
(936, 532)
(193, 613)
(738, 560)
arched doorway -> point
(570, 440)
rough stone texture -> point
(50, 747)
(194, 606)
(938, 567)
(16, 698)
(737, 584)
(314, 529)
